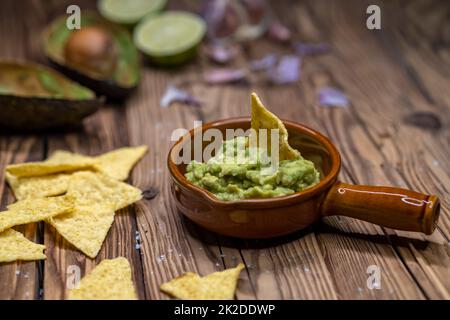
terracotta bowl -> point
(264, 218)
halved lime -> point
(169, 38)
(128, 12)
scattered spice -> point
(218, 76)
(161, 258)
(278, 32)
(332, 97)
(174, 94)
(220, 53)
(307, 49)
(266, 62)
(286, 71)
(220, 17)
(138, 243)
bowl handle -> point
(391, 207)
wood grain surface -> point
(395, 132)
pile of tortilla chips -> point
(78, 195)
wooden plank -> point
(19, 280)
(270, 270)
(376, 122)
(403, 69)
(170, 244)
(425, 64)
(359, 253)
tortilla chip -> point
(85, 227)
(96, 198)
(38, 187)
(215, 286)
(89, 188)
(14, 246)
(110, 280)
(264, 119)
(34, 210)
(35, 169)
(64, 156)
(116, 164)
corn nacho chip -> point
(38, 187)
(215, 286)
(14, 246)
(264, 119)
(34, 210)
(110, 280)
(35, 169)
(85, 227)
(115, 164)
(96, 198)
(64, 156)
(89, 188)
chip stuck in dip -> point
(238, 172)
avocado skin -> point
(36, 113)
(101, 87)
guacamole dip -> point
(237, 177)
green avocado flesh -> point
(26, 80)
(233, 176)
(126, 72)
(34, 97)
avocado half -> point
(126, 72)
(34, 97)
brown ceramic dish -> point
(264, 218)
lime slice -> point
(130, 11)
(169, 38)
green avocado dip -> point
(235, 177)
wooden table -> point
(391, 75)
